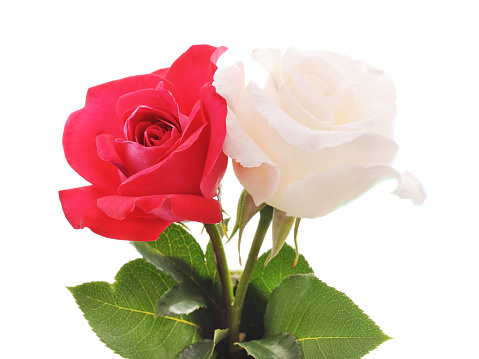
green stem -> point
(222, 266)
(266, 215)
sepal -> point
(282, 225)
(245, 211)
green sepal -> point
(223, 227)
(245, 211)
(281, 226)
(296, 227)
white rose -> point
(319, 135)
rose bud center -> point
(150, 126)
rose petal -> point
(161, 72)
(215, 110)
(323, 106)
(81, 210)
(295, 162)
(180, 207)
(322, 193)
(271, 60)
(192, 123)
(191, 71)
(289, 129)
(160, 98)
(261, 181)
(374, 91)
(117, 207)
(180, 173)
(410, 188)
(229, 83)
(108, 151)
(248, 158)
(144, 118)
(138, 158)
(99, 117)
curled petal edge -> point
(171, 208)
(81, 210)
(322, 193)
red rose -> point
(152, 148)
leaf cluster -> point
(168, 305)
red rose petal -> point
(148, 97)
(181, 172)
(215, 110)
(138, 158)
(144, 118)
(117, 207)
(81, 210)
(161, 72)
(191, 71)
(99, 117)
(108, 151)
(180, 207)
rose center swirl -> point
(151, 126)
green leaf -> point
(325, 322)
(183, 298)
(263, 281)
(204, 349)
(177, 254)
(123, 314)
(279, 346)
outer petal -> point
(215, 110)
(191, 71)
(271, 59)
(180, 207)
(410, 188)
(253, 168)
(229, 83)
(324, 192)
(99, 117)
(261, 181)
(81, 210)
(170, 207)
(117, 207)
(161, 72)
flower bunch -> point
(155, 148)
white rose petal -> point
(229, 83)
(321, 193)
(410, 188)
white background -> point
(412, 269)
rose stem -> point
(266, 215)
(222, 266)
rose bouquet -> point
(155, 148)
